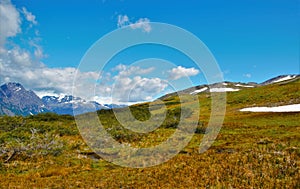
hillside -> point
(234, 86)
(252, 150)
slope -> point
(252, 150)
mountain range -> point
(16, 100)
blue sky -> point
(252, 40)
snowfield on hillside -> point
(287, 108)
(220, 90)
(215, 90)
(239, 85)
(284, 78)
(199, 91)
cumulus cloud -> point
(135, 89)
(24, 64)
(142, 23)
(17, 66)
(179, 72)
(129, 85)
(9, 21)
(127, 71)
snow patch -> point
(18, 89)
(61, 96)
(220, 90)
(225, 84)
(287, 108)
(199, 90)
(239, 85)
(106, 106)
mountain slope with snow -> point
(71, 105)
(232, 86)
(214, 88)
(16, 100)
(279, 79)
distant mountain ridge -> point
(71, 105)
(16, 100)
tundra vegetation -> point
(252, 150)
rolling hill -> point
(252, 149)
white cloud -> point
(132, 70)
(123, 20)
(129, 85)
(29, 16)
(9, 21)
(126, 86)
(23, 64)
(248, 75)
(137, 89)
(179, 72)
(120, 67)
(38, 52)
(38, 77)
(142, 23)
(19, 57)
(38, 49)
(42, 93)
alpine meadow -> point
(149, 94)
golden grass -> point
(252, 150)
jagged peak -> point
(12, 85)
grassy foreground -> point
(252, 150)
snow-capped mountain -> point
(16, 100)
(68, 104)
